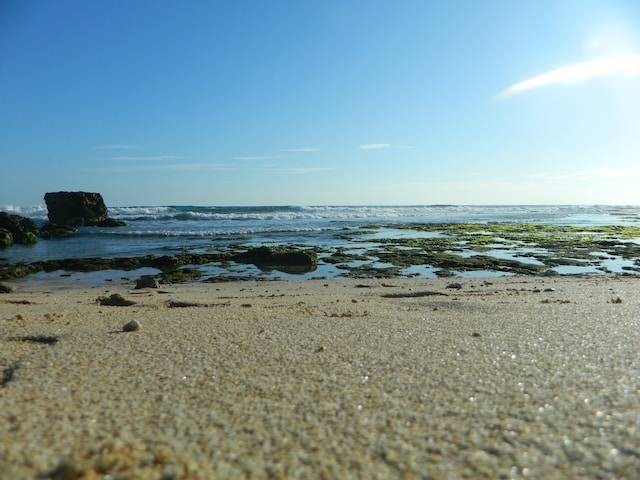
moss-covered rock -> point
(279, 258)
(6, 238)
(23, 230)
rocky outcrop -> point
(22, 229)
(6, 239)
(78, 209)
(285, 259)
(52, 231)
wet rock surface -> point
(146, 281)
(281, 258)
(51, 231)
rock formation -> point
(78, 209)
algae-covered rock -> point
(146, 281)
(180, 275)
(22, 229)
(52, 231)
(78, 209)
(280, 258)
(6, 238)
(5, 288)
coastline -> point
(340, 378)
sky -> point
(321, 102)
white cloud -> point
(627, 65)
(300, 150)
(375, 146)
(145, 158)
(175, 167)
(255, 157)
(297, 170)
(115, 147)
(586, 175)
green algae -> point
(369, 270)
(180, 275)
(341, 256)
(554, 245)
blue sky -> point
(321, 102)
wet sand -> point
(338, 379)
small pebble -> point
(131, 326)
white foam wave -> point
(36, 211)
(207, 233)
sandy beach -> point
(508, 378)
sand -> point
(324, 380)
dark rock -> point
(22, 229)
(51, 231)
(43, 339)
(115, 300)
(286, 259)
(445, 273)
(6, 238)
(110, 222)
(455, 286)
(78, 209)
(5, 288)
(228, 278)
(131, 326)
(146, 281)
(427, 293)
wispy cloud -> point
(375, 146)
(146, 158)
(175, 167)
(255, 157)
(588, 174)
(115, 147)
(297, 170)
(627, 65)
(300, 150)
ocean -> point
(163, 230)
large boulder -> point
(6, 239)
(78, 209)
(280, 258)
(22, 229)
